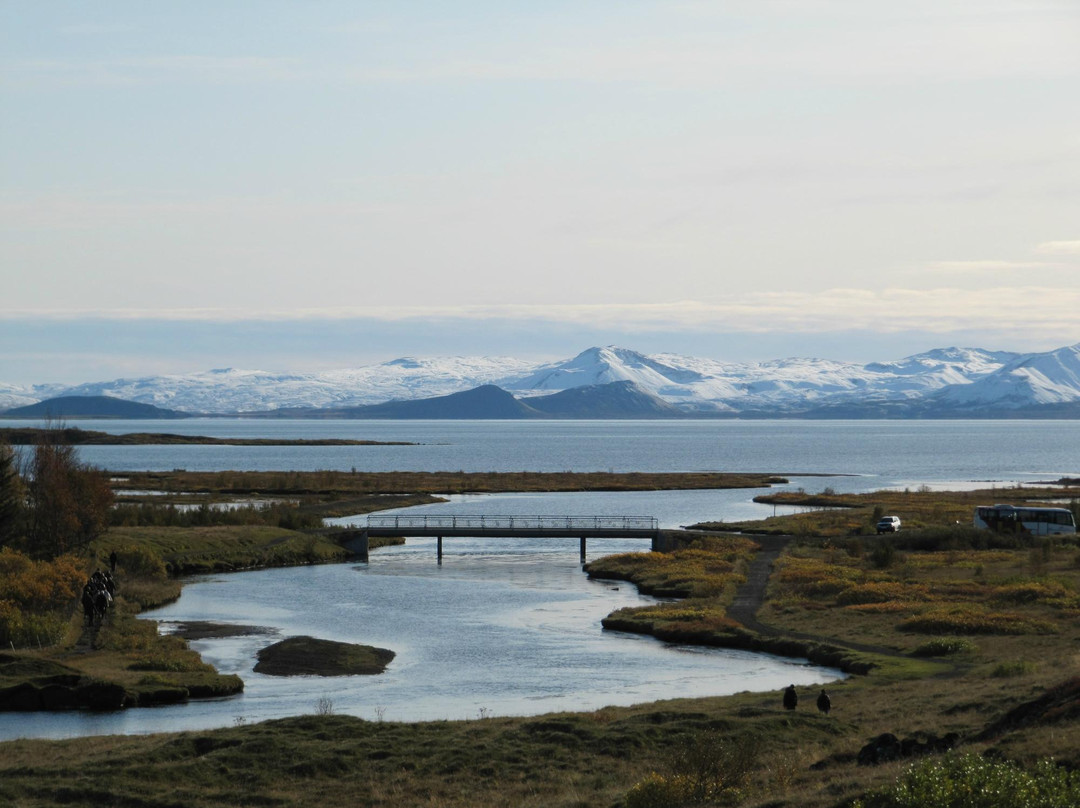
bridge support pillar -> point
(355, 541)
(583, 549)
(440, 549)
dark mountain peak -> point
(621, 399)
(91, 407)
(485, 402)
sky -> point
(314, 185)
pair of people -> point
(791, 700)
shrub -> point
(971, 619)
(969, 781)
(706, 769)
(1017, 667)
(658, 791)
(883, 555)
(882, 592)
(944, 646)
(140, 562)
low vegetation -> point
(963, 780)
(921, 509)
(73, 436)
(957, 633)
(309, 656)
(705, 568)
(344, 484)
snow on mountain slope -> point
(232, 390)
(1043, 378)
(12, 395)
(961, 378)
(942, 367)
(601, 366)
(784, 384)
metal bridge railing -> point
(514, 522)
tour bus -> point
(1036, 521)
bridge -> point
(509, 527)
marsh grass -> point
(825, 588)
(707, 568)
(931, 519)
(330, 484)
(218, 548)
(945, 646)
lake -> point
(881, 453)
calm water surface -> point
(496, 629)
(883, 452)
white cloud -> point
(980, 267)
(1059, 248)
(1008, 310)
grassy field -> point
(828, 514)
(965, 635)
(348, 484)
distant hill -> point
(624, 399)
(92, 407)
(486, 401)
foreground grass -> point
(555, 760)
(969, 638)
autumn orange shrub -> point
(882, 592)
(973, 619)
(888, 607)
(37, 597)
(37, 586)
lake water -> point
(882, 452)
(513, 627)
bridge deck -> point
(630, 527)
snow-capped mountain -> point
(1044, 378)
(939, 382)
(784, 385)
(231, 390)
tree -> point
(68, 501)
(12, 497)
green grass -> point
(968, 781)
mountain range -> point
(606, 382)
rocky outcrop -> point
(887, 747)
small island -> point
(73, 436)
(308, 656)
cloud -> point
(730, 44)
(1059, 248)
(1006, 310)
(979, 267)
